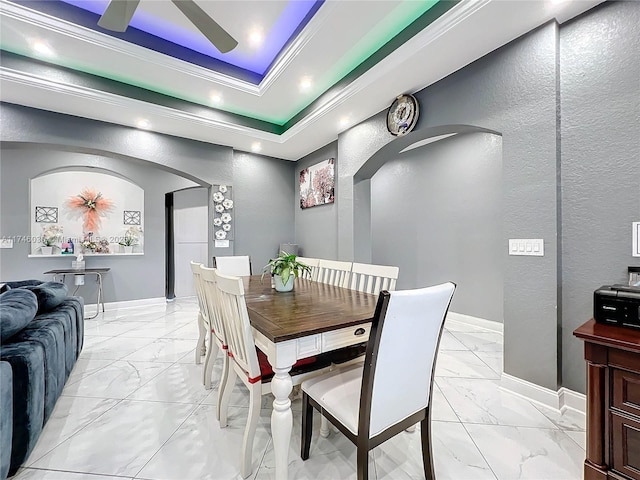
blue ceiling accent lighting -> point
(294, 16)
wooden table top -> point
(311, 308)
(626, 338)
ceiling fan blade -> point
(217, 35)
(118, 15)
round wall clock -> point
(402, 115)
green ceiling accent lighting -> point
(396, 26)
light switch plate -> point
(636, 239)
(6, 242)
(526, 246)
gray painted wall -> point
(130, 278)
(316, 242)
(263, 191)
(263, 198)
(600, 163)
(511, 91)
(446, 226)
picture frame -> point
(317, 184)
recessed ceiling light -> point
(255, 37)
(256, 147)
(305, 84)
(343, 122)
(216, 98)
(143, 123)
(42, 48)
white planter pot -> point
(46, 250)
(280, 287)
(128, 249)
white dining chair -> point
(333, 272)
(249, 363)
(373, 278)
(312, 263)
(236, 265)
(215, 330)
(201, 348)
(363, 400)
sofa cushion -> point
(62, 317)
(27, 364)
(6, 417)
(50, 294)
(75, 306)
(17, 308)
(50, 336)
(22, 283)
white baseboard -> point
(110, 306)
(560, 400)
(476, 322)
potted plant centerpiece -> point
(285, 268)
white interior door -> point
(189, 236)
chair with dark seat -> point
(363, 400)
(236, 265)
(247, 362)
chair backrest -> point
(212, 303)
(401, 353)
(333, 272)
(240, 342)
(197, 284)
(236, 265)
(313, 264)
(373, 278)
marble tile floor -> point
(135, 408)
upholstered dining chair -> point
(373, 278)
(333, 272)
(236, 265)
(362, 400)
(201, 348)
(313, 264)
(249, 363)
(215, 329)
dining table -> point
(311, 319)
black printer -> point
(617, 305)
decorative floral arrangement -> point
(51, 234)
(91, 206)
(222, 217)
(131, 236)
(88, 244)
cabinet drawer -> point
(625, 445)
(345, 337)
(626, 391)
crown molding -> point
(140, 54)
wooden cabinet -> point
(613, 401)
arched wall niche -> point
(392, 150)
(122, 223)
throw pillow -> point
(17, 308)
(50, 295)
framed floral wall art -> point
(317, 184)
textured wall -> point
(316, 242)
(263, 197)
(600, 163)
(452, 191)
(130, 278)
(263, 191)
(511, 91)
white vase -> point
(46, 250)
(283, 287)
(128, 249)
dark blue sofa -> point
(42, 332)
